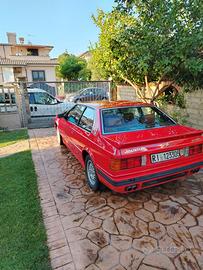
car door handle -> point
(35, 108)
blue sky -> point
(65, 24)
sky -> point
(65, 24)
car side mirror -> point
(55, 101)
(61, 115)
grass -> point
(11, 137)
(22, 233)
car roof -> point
(93, 87)
(114, 104)
(32, 90)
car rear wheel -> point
(59, 138)
(91, 175)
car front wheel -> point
(91, 174)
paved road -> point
(159, 228)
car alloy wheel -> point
(91, 174)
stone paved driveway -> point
(159, 228)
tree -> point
(159, 40)
(72, 67)
(103, 62)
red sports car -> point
(129, 146)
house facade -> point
(20, 61)
(86, 56)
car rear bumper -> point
(149, 180)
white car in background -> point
(43, 104)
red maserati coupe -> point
(129, 146)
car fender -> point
(86, 149)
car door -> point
(82, 132)
(98, 94)
(68, 127)
(43, 104)
(93, 95)
(84, 95)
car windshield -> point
(133, 118)
(85, 91)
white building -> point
(25, 62)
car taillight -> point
(126, 163)
(195, 149)
(115, 164)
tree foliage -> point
(154, 40)
(111, 25)
(72, 67)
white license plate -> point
(165, 156)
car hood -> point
(73, 97)
(151, 136)
(64, 106)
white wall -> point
(194, 108)
(2, 52)
(126, 92)
(1, 75)
(10, 120)
(49, 72)
(8, 75)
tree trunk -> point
(137, 88)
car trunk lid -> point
(153, 136)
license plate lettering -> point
(165, 156)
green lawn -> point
(22, 233)
(10, 137)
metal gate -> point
(87, 91)
(14, 109)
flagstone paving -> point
(158, 228)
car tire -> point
(59, 137)
(91, 174)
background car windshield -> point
(44, 99)
(133, 118)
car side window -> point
(2, 99)
(31, 98)
(74, 114)
(85, 93)
(87, 119)
(99, 91)
(43, 98)
(93, 91)
(89, 91)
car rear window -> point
(128, 119)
